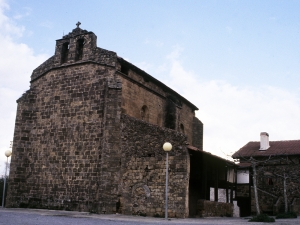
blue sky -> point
(238, 61)
(240, 41)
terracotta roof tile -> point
(193, 148)
(291, 147)
(244, 165)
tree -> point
(285, 175)
(254, 164)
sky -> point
(238, 61)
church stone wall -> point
(142, 187)
(141, 77)
(22, 142)
(135, 96)
(138, 92)
(197, 133)
(185, 116)
(73, 150)
(59, 138)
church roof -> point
(193, 148)
(157, 82)
(291, 147)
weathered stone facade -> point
(271, 187)
(89, 135)
(274, 166)
(143, 170)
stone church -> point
(89, 135)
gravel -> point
(55, 217)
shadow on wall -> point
(170, 120)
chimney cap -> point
(264, 141)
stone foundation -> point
(207, 208)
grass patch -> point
(262, 218)
(286, 215)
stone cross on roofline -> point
(76, 31)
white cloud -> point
(26, 12)
(174, 55)
(7, 26)
(232, 115)
(17, 61)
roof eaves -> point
(148, 76)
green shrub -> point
(286, 215)
(262, 218)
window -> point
(170, 114)
(79, 49)
(181, 128)
(269, 181)
(145, 113)
(124, 69)
(64, 52)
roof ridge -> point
(277, 148)
(276, 141)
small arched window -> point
(145, 113)
(269, 181)
(181, 128)
(79, 49)
(64, 52)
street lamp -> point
(167, 147)
(7, 154)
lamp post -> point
(167, 147)
(7, 154)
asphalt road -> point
(54, 217)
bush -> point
(286, 215)
(262, 218)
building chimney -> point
(264, 141)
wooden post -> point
(231, 192)
(204, 178)
(216, 183)
(226, 180)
